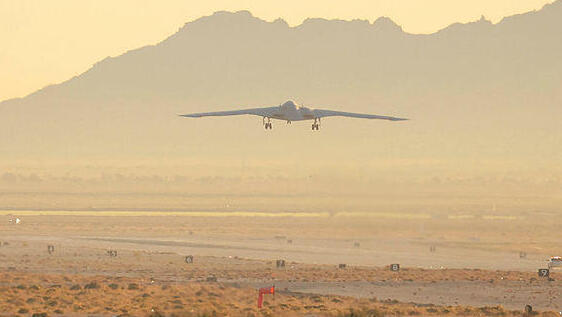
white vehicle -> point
(289, 111)
(555, 261)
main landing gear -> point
(316, 124)
(267, 124)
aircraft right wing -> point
(262, 112)
(319, 113)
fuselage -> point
(292, 112)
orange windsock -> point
(262, 291)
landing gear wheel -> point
(316, 124)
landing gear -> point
(267, 124)
(316, 124)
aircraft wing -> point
(262, 112)
(318, 113)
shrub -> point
(92, 285)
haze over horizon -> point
(39, 47)
(484, 100)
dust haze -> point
(483, 98)
(102, 161)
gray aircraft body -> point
(289, 111)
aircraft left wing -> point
(262, 112)
(318, 113)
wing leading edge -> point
(263, 112)
(331, 113)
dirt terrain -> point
(444, 270)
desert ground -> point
(448, 266)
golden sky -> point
(45, 42)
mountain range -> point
(477, 91)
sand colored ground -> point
(474, 270)
(75, 295)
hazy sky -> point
(44, 42)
